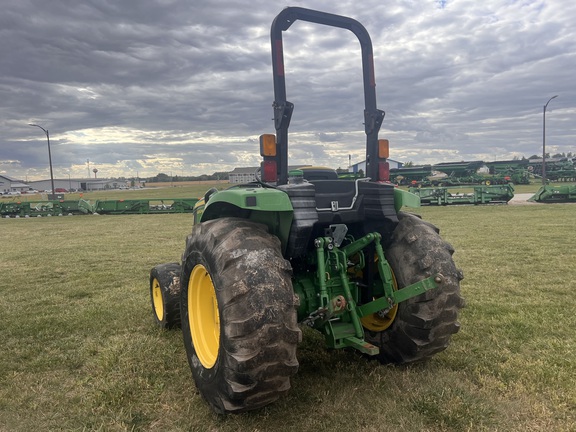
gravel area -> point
(522, 199)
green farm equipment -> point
(44, 208)
(555, 194)
(411, 175)
(111, 207)
(493, 194)
(336, 255)
(145, 206)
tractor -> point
(338, 255)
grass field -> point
(79, 350)
(159, 190)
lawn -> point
(152, 191)
(79, 350)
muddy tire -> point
(165, 294)
(424, 324)
(239, 319)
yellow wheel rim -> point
(203, 316)
(379, 321)
(157, 301)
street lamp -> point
(49, 158)
(544, 141)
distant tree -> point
(409, 164)
(220, 175)
(160, 178)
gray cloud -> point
(167, 85)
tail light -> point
(383, 171)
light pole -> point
(544, 141)
(49, 158)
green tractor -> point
(335, 255)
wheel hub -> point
(203, 316)
(157, 300)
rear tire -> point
(165, 294)
(239, 319)
(424, 324)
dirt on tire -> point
(424, 324)
(168, 278)
(258, 333)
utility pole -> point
(544, 141)
(52, 196)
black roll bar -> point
(283, 109)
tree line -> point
(165, 178)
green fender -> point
(267, 206)
(404, 198)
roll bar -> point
(283, 109)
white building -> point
(242, 175)
(247, 175)
(10, 184)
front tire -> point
(423, 324)
(165, 294)
(239, 319)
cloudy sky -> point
(184, 87)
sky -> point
(141, 87)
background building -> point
(242, 175)
(75, 184)
(10, 184)
(247, 175)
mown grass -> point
(152, 191)
(79, 349)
